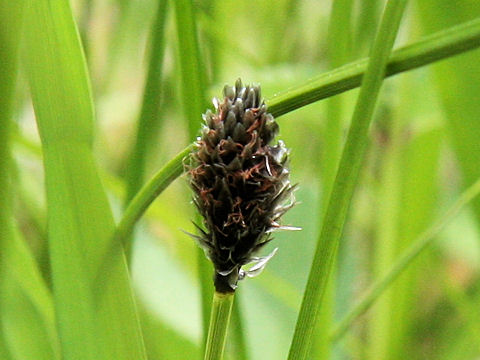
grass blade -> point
(418, 246)
(338, 46)
(28, 319)
(346, 179)
(27, 322)
(193, 74)
(194, 90)
(91, 326)
(460, 107)
(149, 192)
(440, 45)
(10, 29)
(150, 114)
(368, 17)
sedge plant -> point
(241, 188)
(80, 303)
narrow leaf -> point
(27, 323)
(28, 320)
(440, 45)
(194, 92)
(91, 326)
(421, 243)
(461, 106)
(150, 112)
(345, 180)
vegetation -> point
(100, 103)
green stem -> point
(121, 238)
(345, 180)
(440, 45)
(421, 243)
(204, 269)
(148, 194)
(219, 320)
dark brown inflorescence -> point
(240, 182)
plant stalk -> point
(345, 180)
(137, 207)
(440, 45)
(219, 320)
(148, 193)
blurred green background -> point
(424, 150)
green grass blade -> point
(404, 203)
(440, 45)
(83, 25)
(193, 74)
(346, 179)
(194, 92)
(11, 15)
(150, 113)
(27, 317)
(20, 322)
(418, 246)
(419, 195)
(149, 192)
(4, 354)
(368, 17)
(338, 52)
(388, 195)
(116, 41)
(90, 326)
(461, 108)
(28, 320)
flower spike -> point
(240, 183)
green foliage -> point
(80, 219)
(406, 281)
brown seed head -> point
(240, 183)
